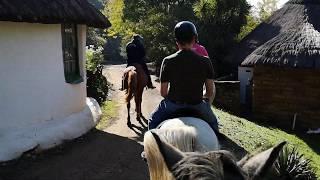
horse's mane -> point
(182, 137)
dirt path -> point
(151, 99)
(111, 154)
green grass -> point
(252, 137)
(109, 111)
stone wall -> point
(279, 93)
(228, 96)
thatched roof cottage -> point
(42, 73)
(282, 56)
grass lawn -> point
(252, 137)
(109, 111)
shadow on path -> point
(140, 130)
(96, 156)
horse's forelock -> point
(199, 166)
(219, 165)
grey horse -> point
(169, 163)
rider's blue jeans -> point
(166, 108)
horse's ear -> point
(231, 170)
(257, 166)
(170, 154)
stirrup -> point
(151, 87)
(143, 157)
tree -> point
(219, 23)
(95, 37)
(252, 23)
(119, 33)
(114, 12)
(154, 20)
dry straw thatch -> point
(52, 12)
(289, 38)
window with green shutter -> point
(70, 53)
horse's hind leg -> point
(128, 118)
(138, 100)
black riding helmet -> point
(184, 32)
(138, 39)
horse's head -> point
(217, 165)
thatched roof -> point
(52, 12)
(289, 38)
(299, 48)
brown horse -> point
(136, 81)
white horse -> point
(188, 134)
(188, 149)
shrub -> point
(293, 165)
(97, 85)
(95, 37)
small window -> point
(70, 53)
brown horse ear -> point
(257, 166)
(171, 155)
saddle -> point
(125, 77)
(186, 112)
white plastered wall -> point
(33, 91)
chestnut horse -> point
(136, 81)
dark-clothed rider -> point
(136, 54)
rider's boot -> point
(122, 85)
(150, 84)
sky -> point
(255, 2)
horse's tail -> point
(182, 138)
(132, 85)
